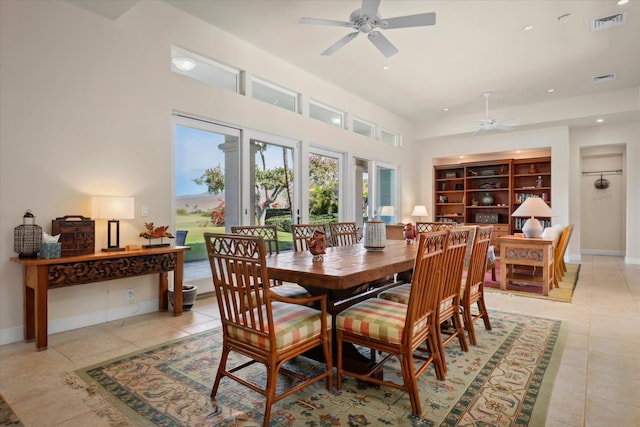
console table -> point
(42, 274)
(522, 251)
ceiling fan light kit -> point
(367, 20)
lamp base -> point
(112, 249)
(532, 228)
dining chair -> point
(558, 256)
(269, 232)
(491, 256)
(270, 235)
(301, 234)
(428, 227)
(473, 286)
(260, 324)
(405, 332)
(448, 308)
(343, 233)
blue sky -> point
(197, 150)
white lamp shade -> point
(532, 207)
(387, 211)
(113, 207)
(419, 210)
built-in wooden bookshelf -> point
(488, 192)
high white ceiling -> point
(476, 46)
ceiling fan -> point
(489, 123)
(366, 20)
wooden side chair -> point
(448, 309)
(343, 233)
(473, 292)
(402, 331)
(260, 324)
(558, 255)
(302, 233)
(428, 227)
(491, 256)
(269, 233)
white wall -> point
(614, 136)
(86, 109)
(602, 211)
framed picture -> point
(450, 174)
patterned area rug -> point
(504, 381)
(7, 416)
(563, 293)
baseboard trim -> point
(602, 252)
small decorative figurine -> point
(409, 233)
(156, 233)
(318, 245)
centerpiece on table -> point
(152, 232)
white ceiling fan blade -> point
(370, 7)
(509, 122)
(337, 45)
(382, 44)
(314, 21)
(502, 127)
(419, 20)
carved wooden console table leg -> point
(40, 275)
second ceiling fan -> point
(367, 20)
(489, 123)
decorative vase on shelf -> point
(487, 199)
(375, 235)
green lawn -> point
(197, 224)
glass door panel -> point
(324, 187)
(207, 194)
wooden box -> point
(77, 234)
(487, 218)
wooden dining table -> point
(345, 271)
(347, 275)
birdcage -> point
(27, 237)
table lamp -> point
(533, 207)
(113, 209)
(388, 211)
(419, 211)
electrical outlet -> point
(131, 294)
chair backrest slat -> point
(343, 233)
(302, 233)
(425, 286)
(428, 227)
(240, 279)
(453, 263)
(268, 232)
(474, 283)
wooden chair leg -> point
(493, 273)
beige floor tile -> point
(597, 382)
(602, 412)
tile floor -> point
(598, 382)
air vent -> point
(609, 21)
(604, 78)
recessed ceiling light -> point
(183, 63)
(551, 90)
(446, 109)
(528, 27)
(461, 157)
(600, 120)
(386, 67)
(621, 2)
